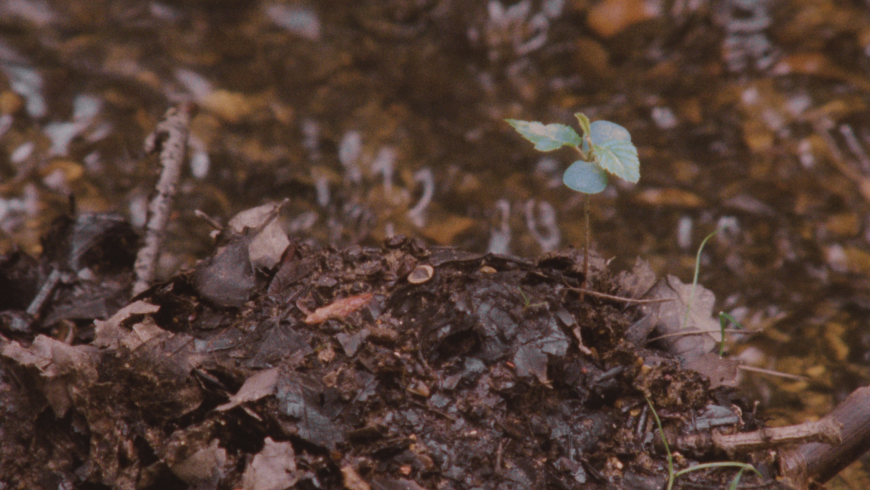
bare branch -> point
(827, 431)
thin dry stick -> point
(684, 333)
(771, 372)
(839, 160)
(620, 298)
(826, 430)
(169, 140)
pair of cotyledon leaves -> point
(612, 151)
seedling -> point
(604, 147)
(672, 474)
(695, 279)
(724, 318)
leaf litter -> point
(334, 370)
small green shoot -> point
(672, 475)
(528, 302)
(724, 318)
(604, 147)
(695, 280)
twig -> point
(822, 461)
(208, 219)
(619, 298)
(827, 430)
(822, 128)
(771, 372)
(696, 331)
(45, 292)
(169, 140)
(433, 410)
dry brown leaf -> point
(256, 387)
(273, 468)
(339, 308)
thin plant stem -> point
(723, 319)
(695, 280)
(586, 248)
(664, 442)
(672, 475)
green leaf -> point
(614, 150)
(585, 177)
(584, 122)
(603, 131)
(546, 137)
(619, 158)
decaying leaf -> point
(256, 387)
(529, 360)
(267, 247)
(719, 370)
(670, 317)
(228, 277)
(109, 332)
(270, 241)
(352, 480)
(204, 467)
(58, 363)
(140, 333)
(51, 357)
(273, 468)
(339, 308)
(638, 281)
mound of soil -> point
(399, 367)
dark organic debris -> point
(336, 369)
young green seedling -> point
(604, 147)
(673, 474)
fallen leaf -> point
(62, 365)
(719, 370)
(670, 317)
(256, 387)
(205, 465)
(273, 468)
(109, 332)
(339, 308)
(636, 283)
(352, 480)
(267, 246)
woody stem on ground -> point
(822, 460)
(169, 142)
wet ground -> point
(403, 366)
(387, 117)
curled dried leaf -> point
(339, 308)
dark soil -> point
(399, 367)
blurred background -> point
(381, 117)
